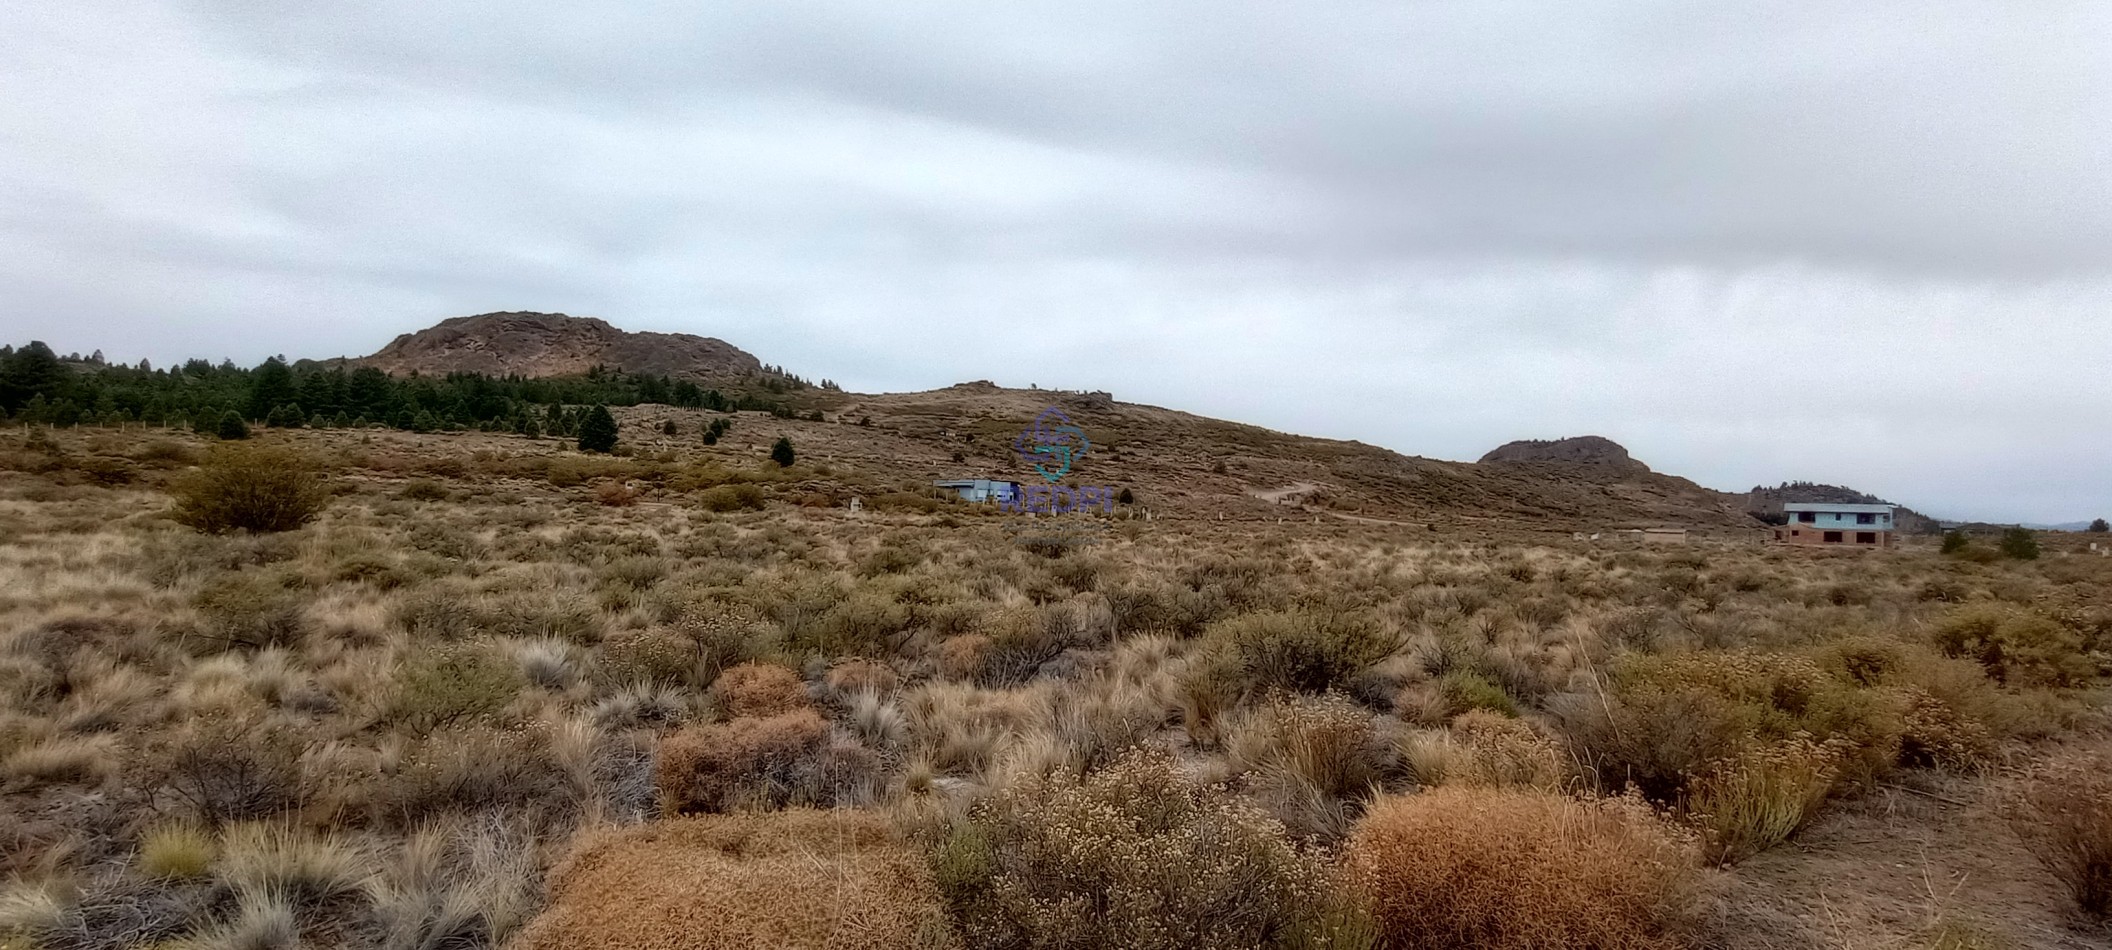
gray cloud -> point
(1864, 245)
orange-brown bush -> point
(616, 494)
(1494, 869)
(767, 762)
(2064, 808)
(760, 689)
(791, 879)
(251, 488)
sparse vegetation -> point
(382, 725)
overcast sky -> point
(1868, 244)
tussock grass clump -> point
(800, 880)
(176, 852)
(2064, 809)
(1502, 869)
(1133, 855)
(1489, 750)
(1312, 762)
(1756, 799)
(251, 488)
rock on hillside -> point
(554, 344)
(1580, 450)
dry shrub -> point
(616, 494)
(1312, 762)
(1492, 869)
(2017, 647)
(962, 657)
(2064, 809)
(251, 488)
(231, 766)
(791, 879)
(759, 762)
(655, 655)
(860, 675)
(760, 689)
(1489, 750)
(477, 769)
(1131, 856)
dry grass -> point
(2065, 809)
(1492, 869)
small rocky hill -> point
(555, 344)
(1576, 450)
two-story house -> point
(1824, 523)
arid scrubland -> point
(498, 691)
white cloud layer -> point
(1867, 245)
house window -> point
(1778, 534)
(1866, 537)
(1865, 519)
(1807, 516)
(1832, 537)
(1794, 533)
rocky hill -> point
(1576, 450)
(554, 344)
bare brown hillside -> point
(1180, 463)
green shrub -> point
(1298, 650)
(1467, 690)
(1954, 542)
(252, 609)
(2020, 544)
(451, 685)
(231, 427)
(251, 488)
(1666, 720)
(740, 497)
(2016, 646)
(782, 453)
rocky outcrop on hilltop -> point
(555, 344)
